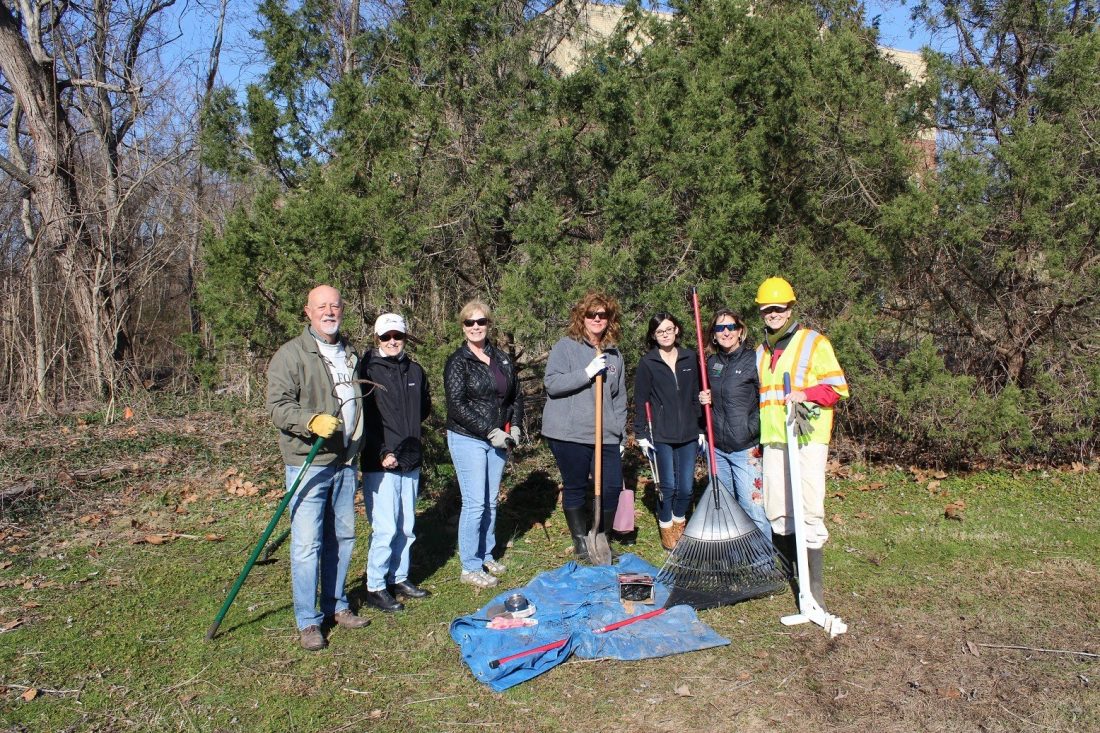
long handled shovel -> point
(808, 607)
(599, 552)
(263, 538)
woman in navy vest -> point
(734, 397)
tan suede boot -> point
(668, 536)
(678, 530)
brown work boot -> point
(678, 530)
(668, 536)
(345, 619)
(312, 640)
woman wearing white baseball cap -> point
(391, 460)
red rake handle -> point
(712, 461)
(527, 652)
(561, 642)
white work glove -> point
(597, 365)
(622, 449)
(498, 438)
(702, 440)
(645, 445)
(514, 434)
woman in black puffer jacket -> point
(484, 414)
(734, 397)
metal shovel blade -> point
(599, 552)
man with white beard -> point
(312, 393)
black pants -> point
(575, 462)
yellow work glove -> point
(323, 425)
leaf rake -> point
(722, 557)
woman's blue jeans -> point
(741, 473)
(390, 500)
(322, 536)
(478, 466)
(576, 462)
(677, 466)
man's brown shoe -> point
(312, 639)
(347, 620)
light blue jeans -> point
(742, 473)
(478, 466)
(390, 499)
(322, 536)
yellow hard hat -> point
(775, 290)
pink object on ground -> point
(624, 514)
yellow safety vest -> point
(810, 361)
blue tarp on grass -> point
(570, 602)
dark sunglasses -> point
(774, 309)
(720, 327)
(475, 322)
(391, 336)
(596, 315)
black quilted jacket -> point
(473, 406)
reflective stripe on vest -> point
(806, 350)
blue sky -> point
(239, 64)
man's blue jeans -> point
(478, 466)
(741, 473)
(390, 499)
(322, 536)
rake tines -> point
(722, 557)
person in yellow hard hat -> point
(817, 384)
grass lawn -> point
(113, 567)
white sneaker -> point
(478, 578)
(494, 567)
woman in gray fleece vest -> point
(569, 418)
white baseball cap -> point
(389, 322)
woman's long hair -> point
(595, 300)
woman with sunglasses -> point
(484, 414)
(734, 397)
(667, 380)
(569, 417)
(390, 461)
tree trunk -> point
(30, 73)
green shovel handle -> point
(263, 539)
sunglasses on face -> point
(596, 315)
(774, 309)
(392, 336)
(469, 322)
(719, 328)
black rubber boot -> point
(607, 521)
(577, 522)
(814, 561)
(788, 554)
